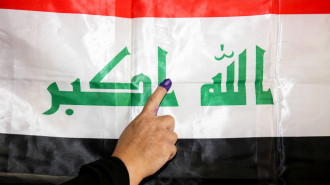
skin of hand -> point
(148, 142)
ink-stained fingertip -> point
(166, 84)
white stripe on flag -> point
(39, 48)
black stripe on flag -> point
(270, 160)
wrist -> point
(134, 172)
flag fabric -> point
(250, 94)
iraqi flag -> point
(250, 94)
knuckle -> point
(175, 149)
(170, 118)
(175, 136)
(172, 149)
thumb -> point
(156, 98)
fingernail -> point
(166, 84)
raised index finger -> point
(156, 98)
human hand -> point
(148, 142)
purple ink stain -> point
(166, 84)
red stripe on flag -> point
(304, 7)
(172, 8)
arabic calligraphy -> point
(224, 55)
(170, 98)
(262, 97)
(77, 97)
(212, 95)
(96, 83)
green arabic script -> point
(77, 97)
(262, 97)
(224, 55)
(212, 95)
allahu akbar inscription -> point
(211, 94)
